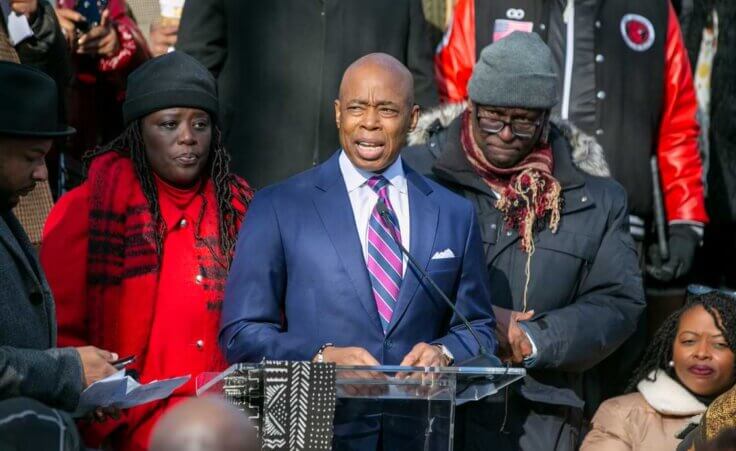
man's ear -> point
(414, 117)
(337, 113)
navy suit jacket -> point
(299, 280)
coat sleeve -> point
(472, 299)
(133, 46)
(608, 305)
(203, 33)
(52, 376)
(677, 151)
(47, 50)
(419, 57)
(609, 431)
(251, 326)
(64, 260)
(455, 57)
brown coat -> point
(647, 420)
(7, 51)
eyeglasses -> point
(520, 128)
(698, 290)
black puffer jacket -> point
(585, 289)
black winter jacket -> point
(586, 289)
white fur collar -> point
(669, 397)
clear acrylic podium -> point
(413, 407)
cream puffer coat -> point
(648, 420)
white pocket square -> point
(447, 253)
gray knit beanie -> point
(169, 81)
(517, 71)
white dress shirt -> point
(363, 199)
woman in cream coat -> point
(688, 364)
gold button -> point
(198, 279)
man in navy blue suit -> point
(318, 273)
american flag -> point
(504, 27)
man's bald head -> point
(375, 111)
(374, 63)
(204, 424)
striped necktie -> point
(384, 260)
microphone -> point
(484, 358)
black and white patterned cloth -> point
(298, 406)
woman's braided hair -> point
(130, 143)
(721, 307)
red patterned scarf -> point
(122, 261)
(530, 197)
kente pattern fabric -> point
(384, 258)
(122, 243)
(298, 406)
(244, 389)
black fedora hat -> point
(29, 103)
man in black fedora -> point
(38, 382)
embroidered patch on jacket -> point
(638, 32)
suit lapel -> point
(424, 216)
(333, 205)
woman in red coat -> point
(138, 255)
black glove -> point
(683, 242)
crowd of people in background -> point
(587, 147)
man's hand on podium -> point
(349, 356)
(359, 357)
(423, 354)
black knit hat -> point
(169, 81)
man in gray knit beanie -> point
(517, 71)
(513, 83)
(561, 306)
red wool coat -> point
(173, 335)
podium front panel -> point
(406, 408)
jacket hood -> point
(587, 154)
(669, 397)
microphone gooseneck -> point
(484, 358)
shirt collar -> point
(356, 177)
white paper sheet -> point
(123, 392)
(18, 27)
